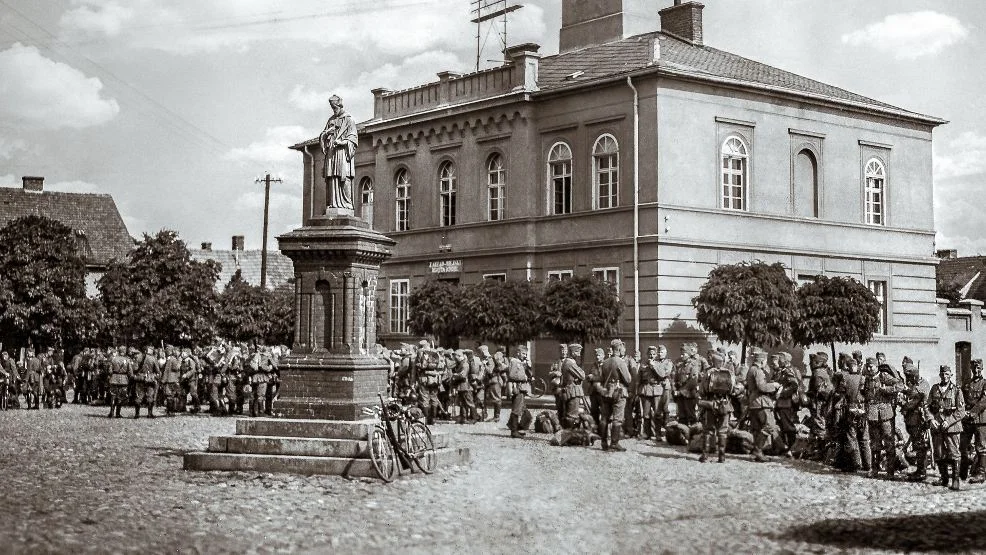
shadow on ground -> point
(947, 532)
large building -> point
(647, 160)
(94, 217)
(248, 262)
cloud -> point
(38, 93)
(274, 146)
(190, 26)
(410, 72)
(910, 35)
(74, 187)
(279, 200)
(962, 156)
(10, 146)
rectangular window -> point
(399, 292)
(879, 288)
(805, 278)
(609, 275)
(559, 275)
(561, 185)
(495, 277)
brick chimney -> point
(589, 22)
(526, 61)
(683, 20)
(206, 246)
(237, 242)
(33, 184)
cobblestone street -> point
(76, 481)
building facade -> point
(647, 160)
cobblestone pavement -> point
(76, 481)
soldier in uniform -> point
(739, 390)
(654, 375)
(171, 380)
(235, 381)
(761, 391)
(973, 439)
(493, 396)
(520, 376)
(715, 387)
(557, 389)
(947, 407)
(477, 380)
(33, 385)
(788, 401)
(916, 421)
(632, 425)
(147, 376)
(572, 376)
(217, 384)
(463, 389)
(820, 389)
(591, 381)
(190, 380)
(690, 367)
(882, 387)
(119, 379)
(853, 431)
(429, 382)
(614, 379)
(257, 375)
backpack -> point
(720, 382)
(526, 419)
(517, 372)
(545, 424)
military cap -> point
(852, 362)
(871, 360)
(977, 363)
(574, 347)
(857, 354)
(716, 359)
(879, 354)
(760, 354)
(945, 368)
(907, 360)
(600, 351)
(484, 351)
(522, 349)
(467, 352)
(910, 369)
(785, 356)
(616, 342)
(423, 343)
(651, 348)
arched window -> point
(496, 180)
(876, 182)
(806, 193)
(447, 187)
(366, 190)
(735, 173)
(605, 171)
(560, 179)
(402, 182)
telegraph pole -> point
(266, 180)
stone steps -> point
(304, 447)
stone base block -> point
(338, 466)
(325, 429)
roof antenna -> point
(490, 10)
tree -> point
(503, 312)
(42, 282)
(242, 314)
(950, 290)
(835, 310)
(160, 294)
(748, 303)
(583, 309)
(435, 308)
(280, 312)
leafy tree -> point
(835, 310)
(582, 308)
(945, 289)
(161, 294)
(42, 282)
(748, 303)
(280, 312)
(503, 312)
(242, 314)
(435, 308)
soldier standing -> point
(519, 374)
(463, 389)
(147, 376)
(788, 399)
(613, 383)
(882, 387)
(190, 380)
(973, 439)
(820, 389)
(715, 386)
(916, 420)
(632, 425)
(494, 385)
(592, 382)
(850, 395)
(761, 391)
(258, 382)
(557, 388)
(947, 407)
(572, 376)
(429, 383)
(654, 374)
(119, 379)
(33, 372)
(477, 380)
(171, 380)
(235, 381)
(739, 390)
(686, 377)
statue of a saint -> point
(339, 142)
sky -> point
(175, 107)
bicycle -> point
(399, 441)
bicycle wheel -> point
(382, 455)
(538, 387)
(421, 447)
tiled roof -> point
(967, 271)
(681, 57)
(95, 215)
(279, 267)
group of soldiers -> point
(850, 413)
(437, 380)
(226, 376)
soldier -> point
(572, 376)
(739, 390)
(235, 381)
(494, 384)
(715, 387)
(761, 391)
(33, 385)
(557, 388)
(654, 375)
(429, 383)
(591, 382)
(477, 380)
(463, 388)
(947, 407)
(519, 374)
(882, 387)
(190, 379)
(256, 371)
(788, 401)
(916, 421)
(171, 380)
(973, 439)
(146, 376)
(820, 389)
(269, 362)
(119, 379)
(850, 394)
(614, 380)
(632, 421)
(8, 377)
(686, 376)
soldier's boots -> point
(614, 445)
(979, 476)
(919, 474)
(136, 411)
(758, 455)
(111, 412)
(496, 414)
(150, 411)
(954, 486)
(943, 468)
(964, 467)
(705, 450)
(513, 425)
(118, 406)
(722, 455)
(876, 458)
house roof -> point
(968, 273)
(93, 215)
(680, 57)
(279, 267)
